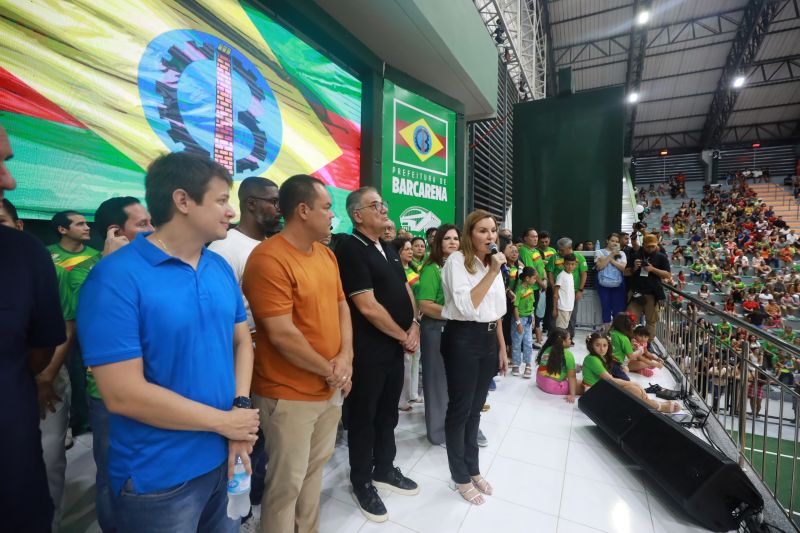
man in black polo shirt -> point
(383, 310)
(31, 326)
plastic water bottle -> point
(337, 399)
(239, 492)
(596, 245)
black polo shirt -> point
(650, 284)
(364, 268)
(30, 317)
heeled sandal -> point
(471, 494)
(482, 485)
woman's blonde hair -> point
(466, 241)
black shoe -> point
(395, 481)
(370, 503)
(653, 389)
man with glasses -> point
(260, 218)
(383, 310)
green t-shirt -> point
(697, 268)
(556, 264)
(76, 278)
(524, 300)
(566, 366)
(716, 276)
(533, 259)
(418, 264)
(430, 284)
(66, 259)
(412, 277)
(80, 272)
(593, 368)
(65, 294)
(621, 345)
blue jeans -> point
(522, 341)
(612, 301)
(98, 418)
(196, 505)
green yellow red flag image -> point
(91, 92)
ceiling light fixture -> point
(643, 18)
(738, 81)
(633, 98)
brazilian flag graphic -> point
(420, 139)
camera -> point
(645, 261)
(617, 257)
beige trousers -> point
(299, 437)
(562, 321)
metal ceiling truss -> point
(760, 132)
(633, 78)
(772, 71)
(731, 136)
(658, 36)
(523, 49)
(758, 14)
(550, 64)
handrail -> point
(708, 365)
(736, 321)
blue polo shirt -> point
(141, 302)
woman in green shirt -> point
(418, 250)
(430, 300)
(411, 380)
(556, 373)
(597, 364)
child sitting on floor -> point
(556, 374)
(647, 361)
(597, 365)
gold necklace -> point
(163, 246)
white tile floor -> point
(553, 471)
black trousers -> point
(549, 321)
(470, 354)
(372, 410)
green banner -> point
(419, 165)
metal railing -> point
(756, 409)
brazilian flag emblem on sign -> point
(420, 139)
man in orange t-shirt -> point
(303, 357)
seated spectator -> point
(621, 333)
(703, 293)
(597, 365)
(556, 372)
(647, 361)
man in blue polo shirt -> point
(163, 327)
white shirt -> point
(235, 249)
(457, 284)
(566, 291)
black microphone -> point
(493, 250)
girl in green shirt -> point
(596, 366)
(556, 373)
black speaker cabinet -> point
(707, 485)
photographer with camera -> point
(649, 267)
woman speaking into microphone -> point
(473, 347)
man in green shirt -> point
(532, 257)
(119, 220)
(73, 233)
(546, 251)
(554, 267)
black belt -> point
(487, 326)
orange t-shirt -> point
(278, 280)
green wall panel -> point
(568, 164)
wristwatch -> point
(243, 402)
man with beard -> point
(260, 219)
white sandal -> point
(471, 495)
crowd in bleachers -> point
(735, 253)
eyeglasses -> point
(273, 201)
(377, 206)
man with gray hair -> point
(390, 232)
(554, 267)
(383, 312)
